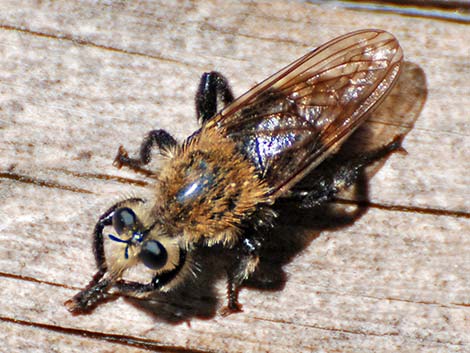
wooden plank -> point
(79, 78)
(349, 288)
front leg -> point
(159, 138)
(97, 290)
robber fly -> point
(225, 178)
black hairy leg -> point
(133, 288)
(335, 178)
(245, 264)
(155, 138)
(247, 255)
(96, 290)
(213, 89)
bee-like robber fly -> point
(227, 175)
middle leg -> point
(246, 262)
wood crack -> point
(130, 341)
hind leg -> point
(213, 90)
(335, 179)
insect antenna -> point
(119, 240)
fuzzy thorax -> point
(207, 189)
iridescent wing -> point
(289, 123)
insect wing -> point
(289, 123)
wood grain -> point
(79, 78)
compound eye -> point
(153, 254)
(124, 219)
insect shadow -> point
(297, 227)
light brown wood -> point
(79, 78)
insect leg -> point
(160, 138)
(96, 290)
(245, 264)
(129, 287)
(335, 179)
(98, 246)
(213, 89)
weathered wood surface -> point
(79, 78)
